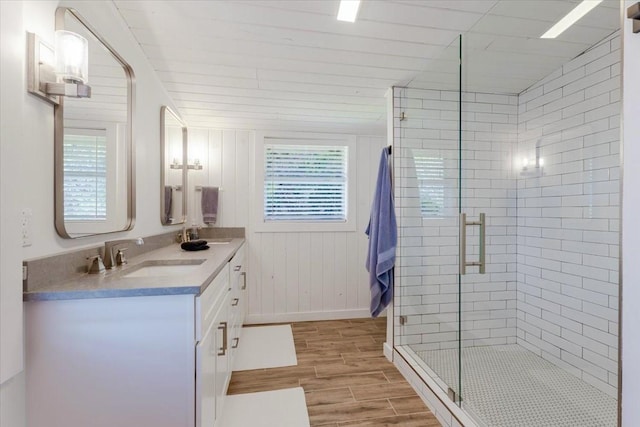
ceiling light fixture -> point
(348, 10)
(571, 18)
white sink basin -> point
(164, 268)
(218, 241)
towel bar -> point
(199, 188)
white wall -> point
(631, 227)
(26, 174)
(12, 51)
(12, 380)
(568, 216)
(292, 275)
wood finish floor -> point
(346, 379)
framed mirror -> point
(173, 142)
(94, 157)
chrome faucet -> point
(111, 244)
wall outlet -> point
(25, 219)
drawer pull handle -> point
(244, 280)
(235, 302)
(237, 341)
(237, 268)
(223, 328)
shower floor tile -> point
(509, 386)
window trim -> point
(299, 138)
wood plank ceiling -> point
(289, 64)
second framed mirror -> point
(173, 167)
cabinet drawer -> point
(238, 260)
(208, 303)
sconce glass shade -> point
(72, 57)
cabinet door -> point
(239, 298)
(244, 295)
(206, 357)
(222, 373)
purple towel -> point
(383, 237)
(209, 205)
(168, 200)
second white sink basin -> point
(218, 241)
(164, 268)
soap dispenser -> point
(194, 232)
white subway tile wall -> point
(544, 167)
(427, 271)
(568, 217)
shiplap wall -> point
(293, 275)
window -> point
(305, 182)
(430, 175)
(85, 175)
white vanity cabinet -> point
(161, 360)
(212, 350)
(238, 305)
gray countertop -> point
(112, 284)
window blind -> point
(430, 174)
(85, 177)
(305, 183)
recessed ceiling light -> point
(348, 10)
(571, 18)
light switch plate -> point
(25, 219)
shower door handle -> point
(463, 244)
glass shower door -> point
(539, 192)
(427, 174)
(507, 187)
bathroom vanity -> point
(150, 344)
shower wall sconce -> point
(633, 12)
(531, 164)
(531, 167)
(62, 71)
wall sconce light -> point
(531, 167)
(533, 164)
(62, 71)
(195, 165)
(633, 12)
(175, 164)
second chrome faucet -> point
(110, 260)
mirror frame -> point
(164, 110)
(58, 113)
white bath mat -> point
(265, 347)
(281, 408)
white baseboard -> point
(388, 351)
(254, 319)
